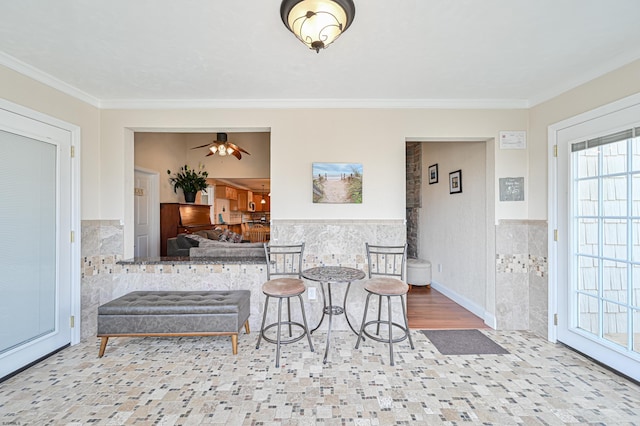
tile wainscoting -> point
(521, 268)
(521, 276)
(327, 242)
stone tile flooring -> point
(192, 381)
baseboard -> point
(470, 306)
(490, 320)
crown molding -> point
(595, 71)
(150, 104)
(315, 103)
(44, 78)
(138, 104)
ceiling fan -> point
(222, 147)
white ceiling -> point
(407, 53)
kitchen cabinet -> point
(245, 201)
(237, 228)
(227, 192)
(257, 199)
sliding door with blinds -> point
(598, 208)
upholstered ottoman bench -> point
(175, 313)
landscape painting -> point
(337, 183)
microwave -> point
(252, 206)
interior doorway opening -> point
(452, 227)
(157, 151)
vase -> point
(190, 197)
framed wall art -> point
(433, 174)
(337, 183)
(455, 182)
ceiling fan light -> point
(317, 23)
(222, 147)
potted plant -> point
(190, 181)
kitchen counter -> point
(192, 261)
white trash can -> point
(418, 272)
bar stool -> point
(284, 262)
(386, 279)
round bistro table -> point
(333, 275)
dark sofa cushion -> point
(184, 242)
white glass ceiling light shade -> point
(220, 149)
(317, 23)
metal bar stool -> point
(284, 262)
(386, 279)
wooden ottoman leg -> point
(234, 343)
(103, 346)
(246, 326)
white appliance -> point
(252, 206)
(208, 197)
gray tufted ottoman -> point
(175, 313)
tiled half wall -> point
(327, 242)
(521, 268)
(521, 276)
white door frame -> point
(75, 255)
(615, 115)
(154, 208)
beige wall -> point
(374, 137)
(452, 228)
(161, 152)
(29, 93)
(601, 91)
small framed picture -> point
(433, 174)
(455, 182)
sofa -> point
(200, 244)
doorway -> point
(39, 271)
(596, 211)
(452, 229)
(146, 207)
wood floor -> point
(429, 309)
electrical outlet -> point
(312, 293)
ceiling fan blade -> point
(210, 153)
(237, 148)
(201, 146)
(236, 154)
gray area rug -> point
(463, 342)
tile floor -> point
(192, 381)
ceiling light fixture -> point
(317, 23)
(222, 147)
(263, 201)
